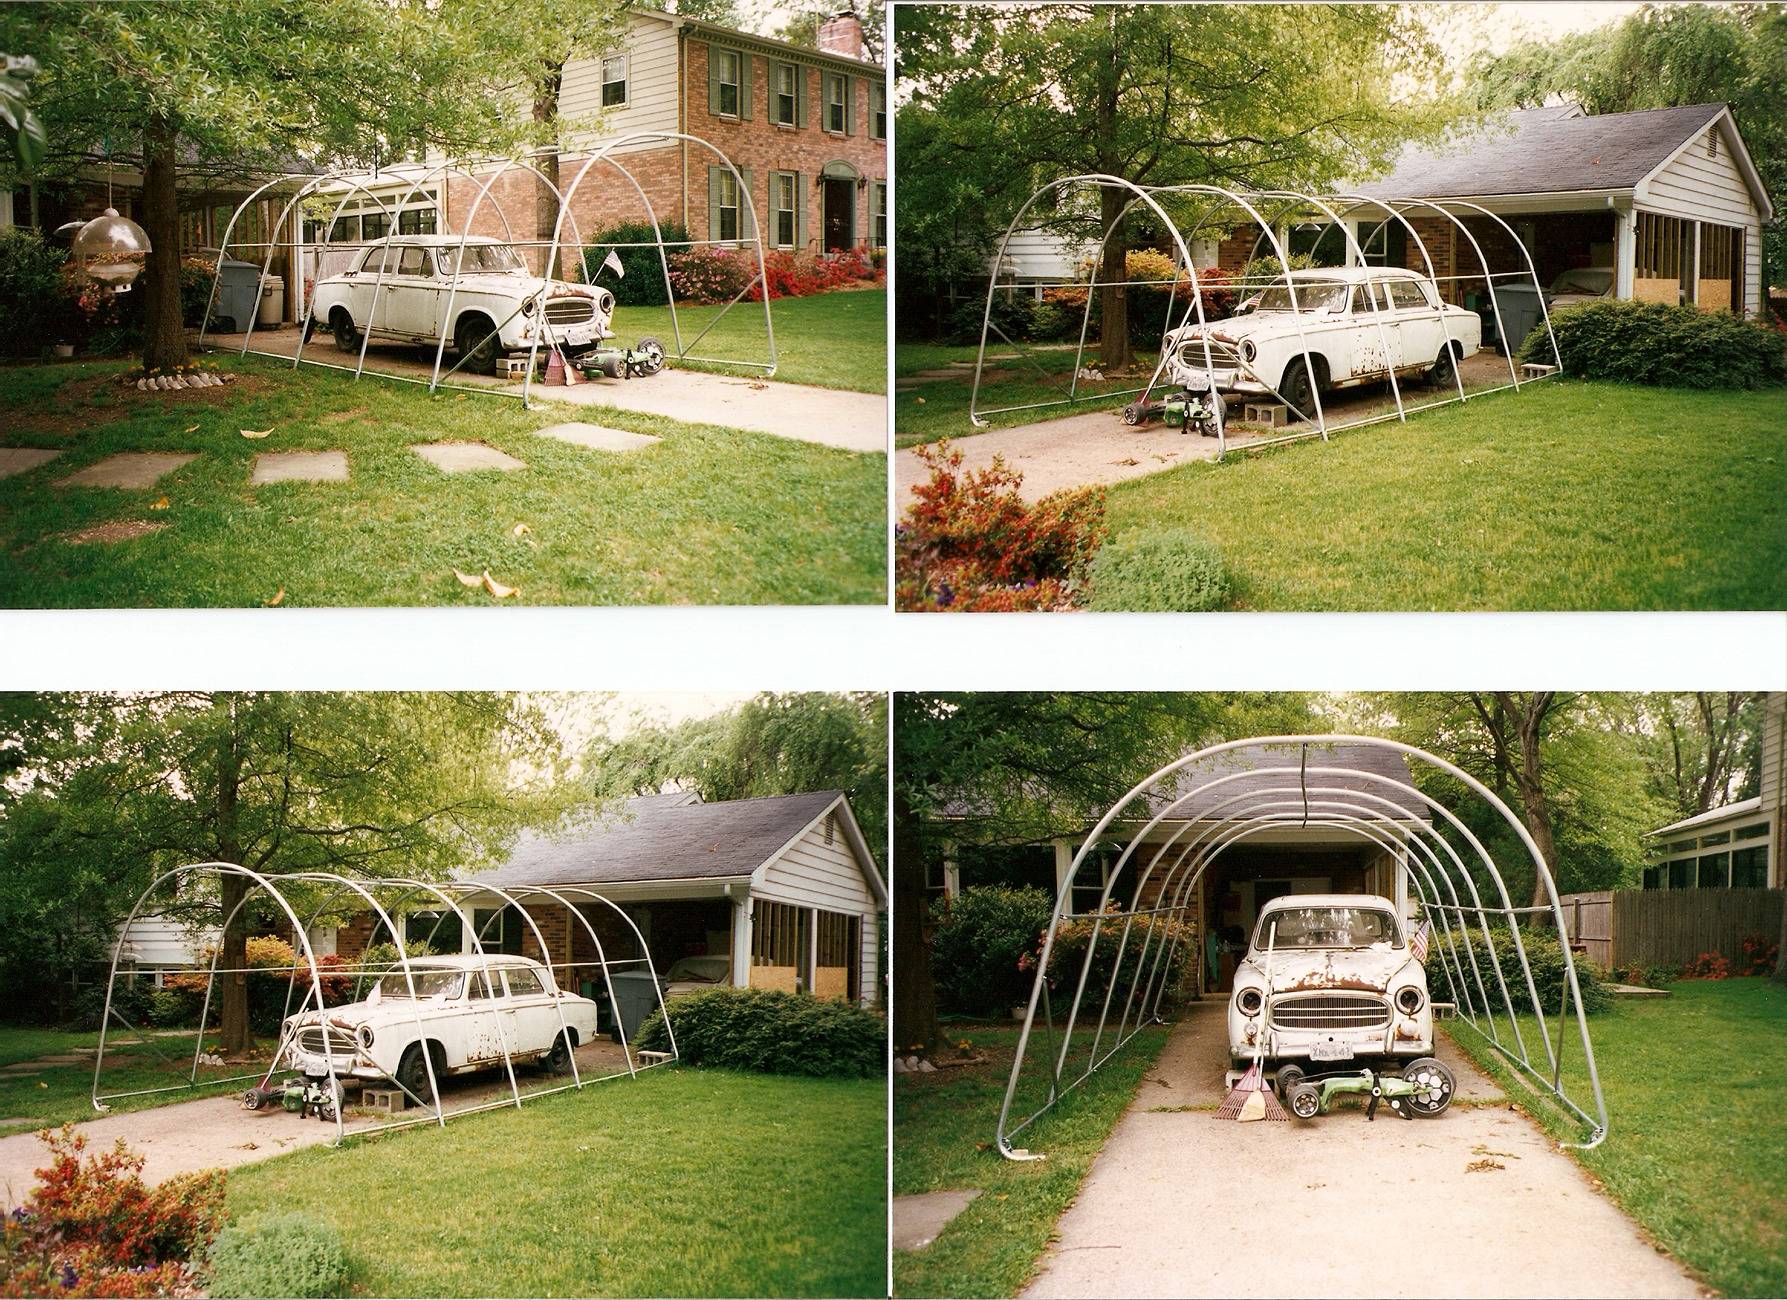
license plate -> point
(1331, 1051)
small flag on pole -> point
(1418, 943)
(613, 263)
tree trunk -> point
(545, 196)
(236, 1033)
(914, 991)
(1113, 298)
(164, 338)
(1529, 723)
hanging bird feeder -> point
(110, 250)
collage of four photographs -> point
(468, 872)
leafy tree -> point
(24, 132)
(191, 90)
(803, 28)
(771, 745)
(1660, 57)
(1260, 96)
(1707, 748)
(1022, 766)
(107, 792)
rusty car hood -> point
(1364, 970)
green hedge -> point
(1545, 955)
(34, 309)
(981, 935)
(270, 1255)
(1649, 343)
(772, 1033)
(643, 284)
(1171, 570)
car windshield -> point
(477, 259)
(428, 983)
(1587, 280)
(1312, 295)
(1327, 927)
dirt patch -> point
(341, 417)
(89, 403)
(118, 530)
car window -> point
(1364, 302)
(479, 989)
(415, 262)
(1407, 293)
(1326, 927)
(427, 983)
(369, 261)
(523, 983)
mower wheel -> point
(653, 351)
(1434, 1086)
(1305, 1100)
(253, 1099)
(1289, 1076)
(1132, 414)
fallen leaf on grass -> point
(919, 400)
(520, 530)
(256, 433)
(1483, 1166)
(468, 580)
(278, 597)
(487, 582)
(193, 429)
(162, 504)
(42, 1084)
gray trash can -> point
(1521, 312)
(635, 998)
(238, 295)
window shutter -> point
(713, 202)
(800, 95)
(713, 80)
(747, 225)
(851, 125)
(744, 87)
(800, 210)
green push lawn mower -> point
(623, 363)
(1424, 1088)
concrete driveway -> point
(1478, 1202)
(216, 1133)
(828, 416)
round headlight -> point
(1409, 1000)
(1249, 1001)
(605, 301)
(1248, 351)
(364, 1034)
(527, 307)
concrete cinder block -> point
(1274, 415)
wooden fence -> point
(1668, 927)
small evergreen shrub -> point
(1544, 953)
(1652, 343)
(770, 1032)
(1013, 314)
(1173, 570)
(981, 937)
(34, 307)
(643, 284)
(272, 1255)
(1170, 950)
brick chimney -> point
(842, 34)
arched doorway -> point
(838, 184)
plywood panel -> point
(781, 979)
(1663, 291)
(832, 982)
(1715, 295)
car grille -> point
(570, 311)
(311, 1039)
(1222, 355)
(1331, 1011)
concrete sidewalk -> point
(1182, 1204)
(830, 417)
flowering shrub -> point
(1708, 966)
(1761, 955)
(705, 274)
(1068, 956)
(970, 542)
(92, 1227)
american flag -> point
(1418, 942)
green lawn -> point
(943, 1140)
(937, 407)
(708, 516)
(679, 1183)
(831, 340)
(1697, 1132)
(1576, 495)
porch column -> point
(741, 941)
(1624, 249)
(1694, 268)
(1063, 862)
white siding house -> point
(1739, 845)
(640, 81)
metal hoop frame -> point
(555, 249)
(1337, 209)
(1413, 829)
(453, 897)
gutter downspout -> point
(682, 124)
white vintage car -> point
(497, 295)
(1342, 984)
(471, 1009)
(1357, 323)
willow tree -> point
(199, 93)
(1248, 96)
(108, 791)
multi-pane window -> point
(726, 206)
(837, 103)
(726, 80)
(416, 221)
(878, 212)
(878, 110)
(375, 225)
(614, 81)
(782, 191)
(1732, 859)
(784, 103)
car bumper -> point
(1403, 1036)
(1234, 380)
(570, 338)
(315, 1066)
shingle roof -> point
(1256, 759)
(662, 837)
(1546, 150)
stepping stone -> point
(917, 1220)
(299, 467)
(16, 460)
(129, 469)
(595, 437)
(461, 457)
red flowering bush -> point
(92, 1227)
(705, 274)
(1067, 959)
(1761, 955)
(970, 542)
(1708, 966)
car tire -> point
(1296, 390)
(558, 1060)
(480, 358)
(412, 1074)
(1436, 1083)
(1445, 366)
(347, 338)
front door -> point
(840, 214)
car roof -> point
(1356, 274)
(441, 241)
(466, 961)
(1328, 900)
